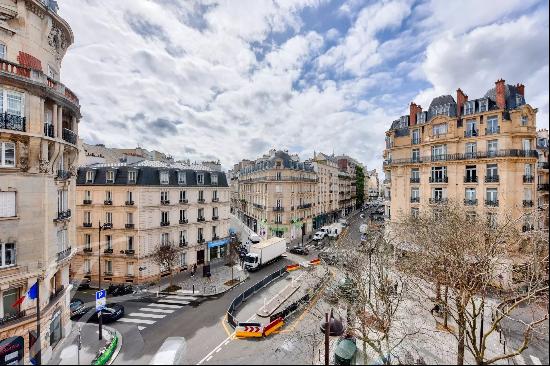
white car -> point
(319, 235)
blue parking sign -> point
(100, 300)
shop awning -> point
(218, 243)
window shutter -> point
(7, 204)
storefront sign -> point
(12, 351)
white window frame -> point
(8, 204)
(88, 217)
(164, 238)
(110, 176)
(130, 268)
(182, 178)
(109, 217)
(3, 252)
(470, 193)
(5, 102)
(87, 266)
(90, 176)
(129, 218)
(164, 216)
(524, 120)
(3, 147)
(87, 241)
(491, 194)
(213, 178)
(130, 242)
(200, 178)
(132, 177)
(164, 177)
(3, 51)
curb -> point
(118, 347)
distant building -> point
(347, 185)
(326, 209)
(96, 154)
(543, 180)
(372, 185)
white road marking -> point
(209, 358)
(181, 297)
(520, 360)
(141, 327)
(218, 350)
(174, 302)
(190, 292)
(535, 360)
(144, 315)
(166, 306)
(157, 310)
(137, 321)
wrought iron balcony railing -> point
(165, 223)
(201, 200)
(415, 180)
(87, 224)
(278, 209)
(108, 251)
(108, 202)
(415, 199)
(527, 203)
(543, 187)
(12, 122)
(201, 219)
(492, 130)
(491, 203)
(215, 199)
(184, 200)
(63, 254)
(492, 179)
(86, 202)
(471, 133)
(438, 200)
(470, 202)
(129, 203)
(165, 202)
(69, 136)
(444, 179)
(215, 218)
(184, 221)
(129, 226)
(528, 179)
(63, 174)
(470, 179)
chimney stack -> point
(461, 98)
(413, 110)
(520, 89)
(500, 90)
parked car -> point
(110, 313)
(319, 235)
(299, 250)
(75, 305)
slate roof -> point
(268, 163)
(513, 98)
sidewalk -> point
(66, 353)
(220, 274)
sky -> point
(229, 80)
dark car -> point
(75, 305)
(110, 313)
(299, 250)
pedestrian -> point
(436, 309)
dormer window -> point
(214, 178)
(421, 117)
(164, 177)
(520, 100)
(132, 177)
(469, 107)
(524, 120)
(200, 178)
(110, 177)
(181, 178)
(90, 176)
(483, 105)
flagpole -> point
(38, 355)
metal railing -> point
(469, 202)
(165, 202)
(470, 179)
(200, 200)
(108, 202)
(491, 203)
(215, 199)
(12, 318)
(63, 254)
(129, 203)
(514, 153)
(415, 199)
(184, 221)
(304, 206)
(183, 200)
(527, 203)
(471, 133)
(282, 178)
(63, 215)
(69, 136)
(129, 226)
(87, 202)
(278, 209)
(543, 165)
(528, 179)
(108, 251)
(201, 219)
(87, 250)
(415, 180)
(130, 252)
(543, 187)
(492, 179)
(87, 224)
(165, 223)
(492, 130)
(63, 174)
(215, 218)
(444, 179)
(13, 122)
(435, 200)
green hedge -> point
(106, 356)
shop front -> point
(12, 351)
(218, 248)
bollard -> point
(193, 288)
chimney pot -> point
(461, 98)
(500, 91)
(413, 110)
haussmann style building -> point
(141, 205)
(38, 154)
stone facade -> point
(327, 209)
(38, 143)
(372, 185)
(142, 209)
(543, 179)
(347, 184)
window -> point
(110, 176)
(181, 178)
(109, 218)
(492, 170)
(12, 102)
(439, 152)
(164, 178)
(130, 268)
(52, 73)
(200, 236)
(528, 169)
(109, 241)
(87, 195)
(483, 105)
(526, 144)
(201, 195)
(200, 213)
(471, 129)
(108, 196)
(130, 242)
(62, 200)
(278, 203)
(90, 176)
(87, 241)
(182, 196)
(129, 218)
(469, 107)
(108, 267)
(9, 297)
(438, 194)
(215, 195)
(415, 194)
(214, 178)
(132, 176)
(183, 236)
(3, 52)
(87, 266)
(214, 233)
(278, 176)
(279, 218)
(164, 238)
(439, 174)
(471, 173)
(7, 154)
(182, 215)
(415, 155)
(415, 174)
(524, 120)
(470, 194)
(492, 194)
(164, 217)
(214, 212)
(439, 129)
(164, 196)
(7, 255)
(7, 204)
(492, 219)
(415, 212)
(492, 147)
(183, 260)
(471, 150)
(62, 240)
(87, 217)
(492, 124)
(129, 196)
(200, 178)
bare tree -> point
(472, 257)
(166, 257)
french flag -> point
(30, 295)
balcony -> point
(164, 202)
(108, 202)
(513, 153)
(183, 221)
(183, 201)
(215, 199)
(528, 179)
(57, 293)
(69, 136)
(527, 203)
(200, 240)
(165, 223)
(444, 179)
(278, 222)
(386, 181)
(201, 219)
(201, 200)
(492, 179)
(130, 252)
(278, 209)
(258, 206)
(491, 203)
(471, 133)
(48, 130)
(416, 141)
(215, 237)
(87, 250)
(63, 254)
(107, 225)
(129, 226)
(543, 165)
(438, 200)
(470, 179)
(492, 131)
(543, 187)
(63, 215)
(86, 202)
(63, 174)
(182, 244)
(87, 224)
(129, 203)
(527, 227)
(470, 202)
(108, 273)
(12, 122)
(108, 251)
(215, 218)
(304, 206)
(415, 180)
(415, 199)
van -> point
(172, 352)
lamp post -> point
(99, 316)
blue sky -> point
(229, 80)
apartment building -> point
(347, 184)
(543, 178)
(141, 205)
(372, 185)
(480, 152)
(38, 154)
(327, 209)
(276, 195)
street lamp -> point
(105, 226)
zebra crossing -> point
(163, 306)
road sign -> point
(100, 300)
